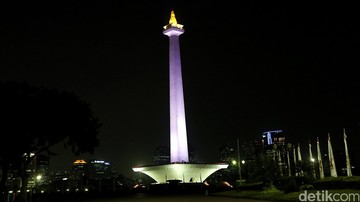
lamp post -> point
(239, 162)
(313, 167)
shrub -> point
(251, 186)
(271, 189)
(306, 187)
(338, 183)
(287, 184)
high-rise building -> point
(99, 169)
(269, 138)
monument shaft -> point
(178, 134)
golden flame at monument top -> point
(173, 22)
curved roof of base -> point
(186, 172)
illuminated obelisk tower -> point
(180, 169)
(178, 137)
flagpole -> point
(288, 161)
(310, 153)
(333, 172)
(294, 153)
(299, 160)
(321, 168)
(239, 162)
(299, 152)
(312, 160)
(348, 165)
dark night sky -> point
(247, 68)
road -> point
(169, 198)
(142, 197)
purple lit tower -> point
(178, 138)
(179, 169)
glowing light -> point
(38, 177)
(173, 22)
(184, 172)
(80, 161)
(243, 161)
(233, 162)
(227, 184)
(138, 169)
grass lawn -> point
(281, 196)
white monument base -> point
(185, 172)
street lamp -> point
(239, 164)
(37, 182)
(38, 177)
(313, 167)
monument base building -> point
(182, 172)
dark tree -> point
(266, 170)
(32, 119)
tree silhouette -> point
(32, 119)
(266, 170)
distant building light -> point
(86, 189)
(65, 178)
(80, 161)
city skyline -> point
(247, 69)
